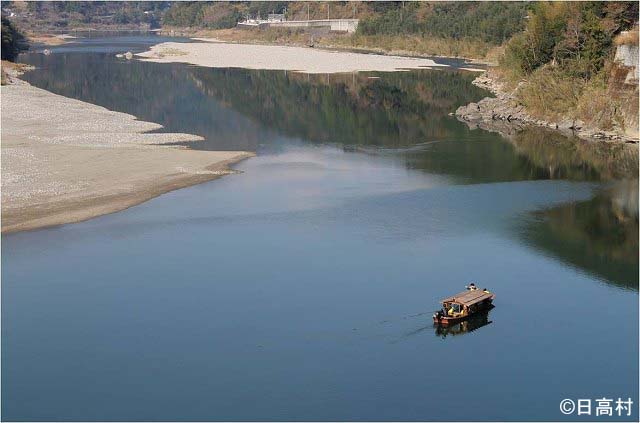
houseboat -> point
(460, 306)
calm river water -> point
(303, 287)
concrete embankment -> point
(65, 160)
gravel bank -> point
(65, 160)
(215, 54)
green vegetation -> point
(459, 29)
(217, 15)
(564, 56)
(577, 37)
(467, 29)
(490, 22)
(43, 15)
(414, 45)
(187, 14)
(13, 42)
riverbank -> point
(65, 160)
(504, 114)
(11, 71)
(214, 53)
(381, 45)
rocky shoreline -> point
(504, 114)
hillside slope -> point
(573, 67)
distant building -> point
(277, 20)
(275, 17)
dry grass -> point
(169, 52)
(494, 54)
(548, 94)
(598, 108)
(388, 44)
(47, 39)
(279, 36)
(417, 45)
(10, 70)
(628, 37)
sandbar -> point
(216, 54)
(64, 160)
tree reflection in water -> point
(599, 235)
(403, 114)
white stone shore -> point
(215, 54)
(65, 160)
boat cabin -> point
(466, 303)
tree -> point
(577, 37)
(13, 42)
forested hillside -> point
(491, 22)
(563, 61)
(467, 29)
(218, 15)
(61, 15)
(488, 21)
(577, 37)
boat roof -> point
(468, 297)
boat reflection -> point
(474, 322)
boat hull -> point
(448, 321)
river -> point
(302, 288)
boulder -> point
(565, 124)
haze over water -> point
(302, 288)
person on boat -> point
(455, 310)
(450, 312)
(485, 290)
(472, 287)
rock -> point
(578, 124)
(504, 114)
(565, 124)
